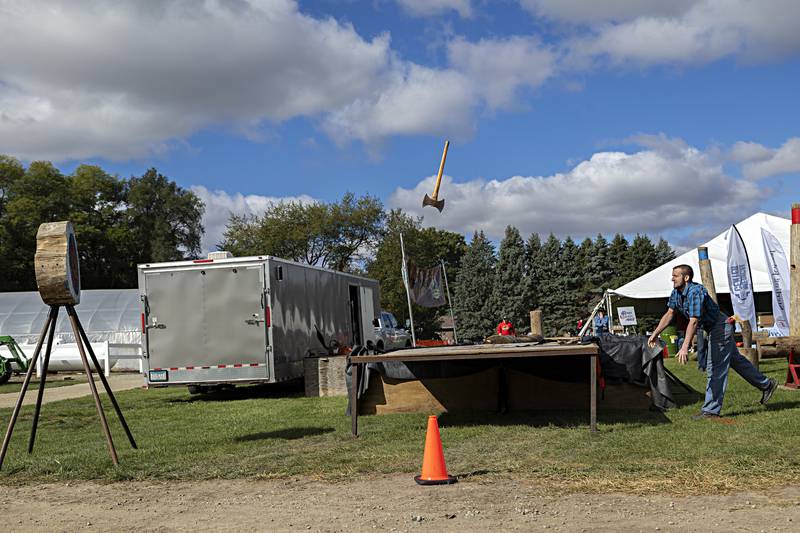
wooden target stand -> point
(59, 282)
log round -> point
(58, 274)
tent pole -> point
(590, 320)
(408, 291)
(449, 302)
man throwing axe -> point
(692, 301)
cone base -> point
(449, 480)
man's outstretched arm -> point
(665, 321)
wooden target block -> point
(58, 274)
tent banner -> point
(739, 278)
(427, 288)
(778, 270)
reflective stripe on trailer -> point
(237, 365)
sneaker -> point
(767, 393)
(703, 415)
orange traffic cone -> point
(434, 471)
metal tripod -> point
(84, 346)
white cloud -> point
(129, 79)
(421, 100)
(119, 79)
(667, 186)
(220, 205)
(681, 32)
(499, 67)
(427, 8)
(744, 152)
(416, 100)
(784, 160)
(581, 11)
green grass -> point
(257, 433)
(15, 384)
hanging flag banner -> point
(778, 270)
(427, 288)
(740, 280)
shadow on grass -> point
(286, 434)
(683, 397)
(557, 418)
(289, 389)
(758, 408)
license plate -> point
(158, 375)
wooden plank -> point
(778, 346)
(488, 350)
(362, 359)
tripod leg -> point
(93, 388)
(40, 392)
(32, 365)
(71, 312)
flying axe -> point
(435, 202)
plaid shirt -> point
(694, 301)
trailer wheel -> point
(5, 371)
(194, 389)
(380, 347)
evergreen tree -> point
(617, 261)
(473, 289)
(548, 288)
(532, 248)
(569, 279)
(585, 255)
(664, 252)
(642, 257)
(599, 270)
(508, 295)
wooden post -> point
(794, 273)
(747, 343)
(536, 322)
(706, 274)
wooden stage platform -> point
(481, 352)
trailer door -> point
(235, 317)
(367, 315)
(174, 318)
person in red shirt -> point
(505, 328)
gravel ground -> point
(392, 503)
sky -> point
(671, 119)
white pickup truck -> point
(388, 335)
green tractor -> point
(17, 357)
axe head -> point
(438, 204)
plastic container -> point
(670, 338)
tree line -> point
(119, 222)
(122, 222)
(563, 278)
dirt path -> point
(116, 381)
(393, 503)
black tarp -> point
(622, 360)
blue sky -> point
(672, 119)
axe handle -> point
(441, 170)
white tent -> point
(657, 285)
